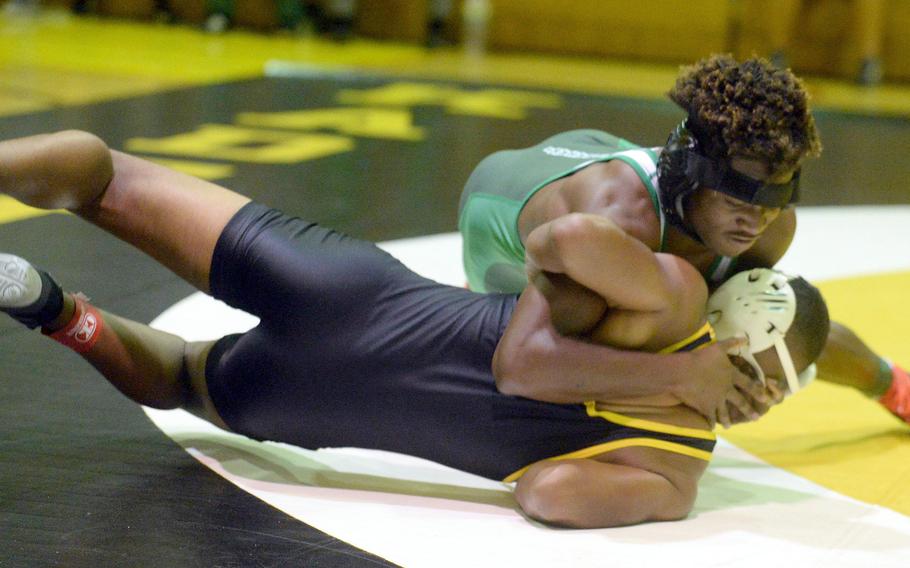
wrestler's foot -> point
(28, 295)
(897, 399)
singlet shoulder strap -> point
(721, 269)
(644, 162)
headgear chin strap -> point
(685, 164)
(759, 304)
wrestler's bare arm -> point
(532, 354)
(598, 254)
(645, 294)
(587, 493)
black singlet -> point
(354, 349)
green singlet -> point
(503, 182)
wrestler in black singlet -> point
(354, 349)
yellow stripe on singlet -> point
(617, 444)
(701, 338)
(649, 425)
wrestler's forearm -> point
(535, 360)
(564, 370)
(595, 252)
(63, 170)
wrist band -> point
(82, 331)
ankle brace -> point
(43, 310)
(82, 331)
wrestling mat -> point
(820, 481)
(87, 480)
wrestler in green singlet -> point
(503, 183)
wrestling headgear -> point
(686, 164)
(761, 305)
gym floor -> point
(375, 139)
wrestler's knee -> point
(93, 168)
(64, 170)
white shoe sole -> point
(20, 284)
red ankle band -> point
(82, 331)
(897, 399)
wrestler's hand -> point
(710, 379)
(749, 400)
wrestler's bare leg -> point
(151, 367)
(173, 217)
(848, 361)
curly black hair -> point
(748, 109)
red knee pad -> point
(83, 330)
